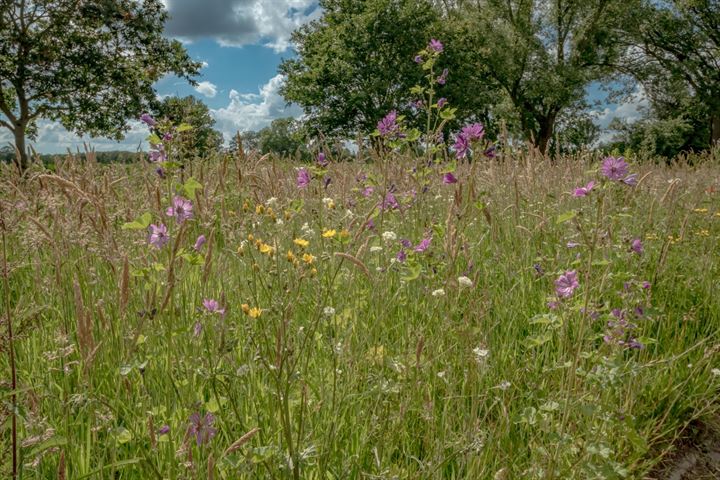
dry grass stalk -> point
(124, 286)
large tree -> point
(89, 64)
(355, 63)
(542, 54)
(202, 139)
(676, 56)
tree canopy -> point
(89, 64)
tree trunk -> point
(23, 161)
(715, 129)
(545, 133)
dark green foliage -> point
(203, 139)
(90, 65)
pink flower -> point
(449, 178)
(423, 245)
(212, 306)
(158, 235)
(566, 284)
(181, 209)
(303, 178)
(584, 191)
(614, 168)
(637, 246)
(199, 243)
(435, 45)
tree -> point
(542, 54)
(203, 139)
(89, 64)
(284, 136)
(676, 56)
(355, 63)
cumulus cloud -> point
(206, 88)
(253, 111)
(631, 110)
(54, 138)
(239, 22)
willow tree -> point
(89, 64)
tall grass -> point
(335, 360)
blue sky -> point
(241, 43)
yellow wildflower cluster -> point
(253, 312)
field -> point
(385, 324)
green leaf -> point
(140, 223)
(51, 442)
(154, 139)
(183, 127)
(191, 186)
(123, 435)
(564, 217)
(448, 113)
(413, 272)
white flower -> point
(715, 371)
(271, 201)
(504, 385)
(375, 249)
(465, 281)
(327, 201)
(438, 293)
(389, 236)
(480, 354)
(329, 311)
(307, 230)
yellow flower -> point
(246, 206)
(301, 242)
(270, 211)
(313, 271)
(329, 233)
(290, 256)
(307, 258)
(700, 210)
(266, 249)
(344, 233)
(245, 308)
(254, 312)
(717, 214)
(287, 215)
(259, 209)
(250, 237)
(703, 233)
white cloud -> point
(250, 111)
(206, 88)
(204, 64)
(240, 22)
(631, 110)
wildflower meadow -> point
(433, 308)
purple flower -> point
(401, 256)
(406, 243)
(326, 182)
(164, 430)
(147, 120)
(157, 154)
(388, 126)
(370, 225)
(614, 168)
(441, 103)
(303, 178)
(423, 245)
(181, 209)
(584, 191)
(321, 160)
(368, 191)
(468, 134)
(461, 146)
(449, 178)
(636, 246)
(442, 79)
(390, 202)
(491, 152)
(198, 329)
(418, 59)
(202, 427)
(572, 244)
(435, 45)
(566, 284)
(158, 235)
(631, 180)
(212, 306)
(199, 243)
(646, 285)
(167, 137)
(160, 172)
